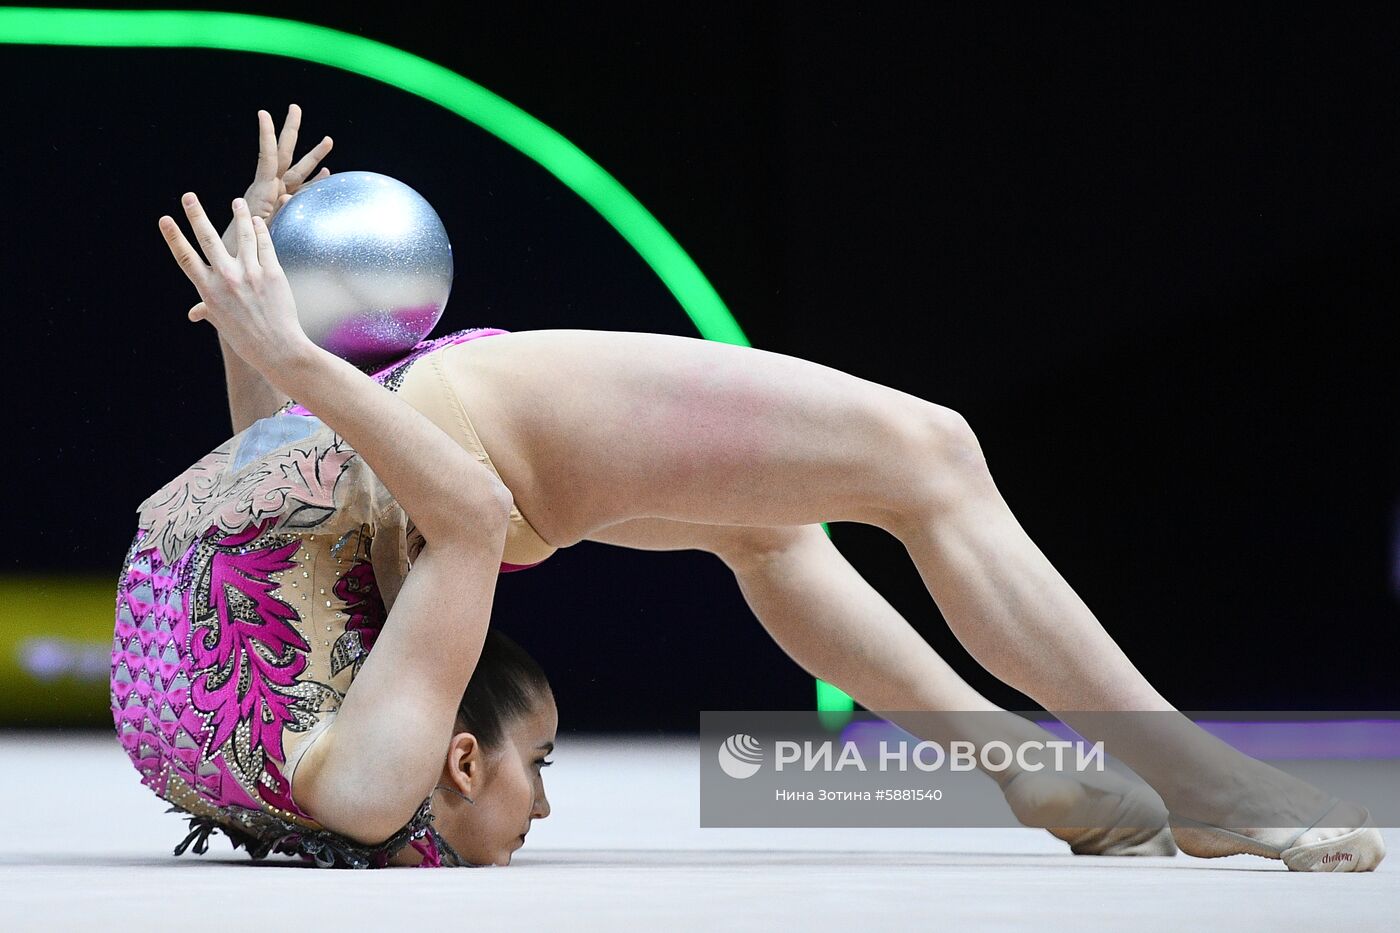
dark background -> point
(1148, 255)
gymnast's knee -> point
(750, 548)
(944, 436)
(940, 465)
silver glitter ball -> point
(369, 264)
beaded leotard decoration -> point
(255, 586)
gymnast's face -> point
(507, 784)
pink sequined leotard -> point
(252, 593)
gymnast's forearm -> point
(447, 493)
(250, 396)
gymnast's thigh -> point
(591, 428)
(428, 389)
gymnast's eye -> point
(542, 763)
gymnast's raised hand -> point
(247, 297)
(276, 179)
(244, 290)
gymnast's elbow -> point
(332, 789)
(472, 515)
(370, 827)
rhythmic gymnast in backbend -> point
(368, 515)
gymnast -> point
(352, 512)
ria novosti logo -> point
(741, 755)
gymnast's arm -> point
(276, 179)
(379, 759)
(383, 752)
(250, 396)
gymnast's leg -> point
(597, 427)
(836, 626)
